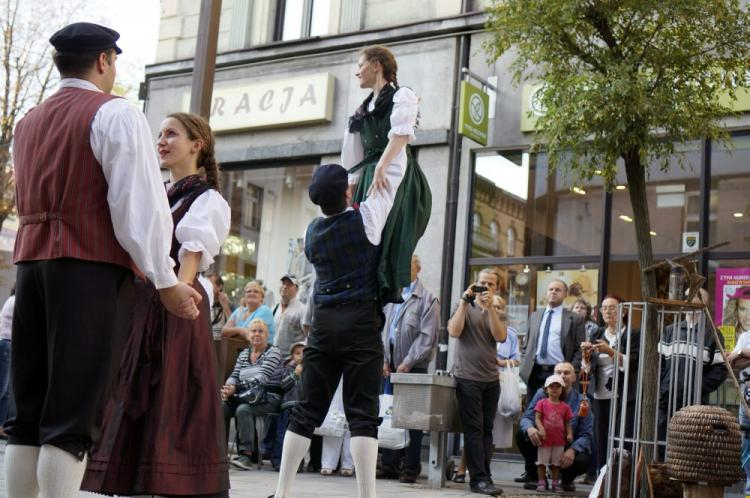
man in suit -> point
(555, 335)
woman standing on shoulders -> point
(376, 148)
(163, 432)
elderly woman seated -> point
(253, 389)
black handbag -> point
(251, 393)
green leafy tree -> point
(625, 82)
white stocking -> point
(59, 473)
(20, 471)
(365, 456)
(294, 450)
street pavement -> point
(261, 483)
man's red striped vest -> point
(61, 191)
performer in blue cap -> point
(91, 206)
(344, 246)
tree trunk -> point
(636, 176)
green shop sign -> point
(473, 116)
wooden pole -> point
(205, 57)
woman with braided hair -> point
(163, 428)
(376, 147)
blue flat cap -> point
(85, 37)
(329, 183)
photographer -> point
(254, 388)
(478, 327)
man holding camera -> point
(478, 328)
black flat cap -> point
(329, 183)
(85, 37)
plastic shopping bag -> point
(335, 423)
(509, 404)
(390, 438)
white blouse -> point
(203, 228)
(376, 208)
(403, 122)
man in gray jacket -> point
(409, 339)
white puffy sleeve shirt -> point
(204, 227)
(403, 122)
(121, 141)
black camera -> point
(476, 289)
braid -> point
(198, 129)
(211, 168)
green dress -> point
(409, 215)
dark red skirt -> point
(163, 431)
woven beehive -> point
(703, 445)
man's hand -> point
(485, 300)
(403, 368)
(533, 435)
(181, 300)
(386, 370)
(379, 182)
(566, 460)
(298, 370)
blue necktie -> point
(545, 335)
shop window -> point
(270, 212)
(673, 198)
(729, 212)
(523, 288)
(303, 18)
(553, 216)
(728, 284)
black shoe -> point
(486, 488)
(385, 473)
(408, 478)
(522, 478)
(313, 468)
(570, 488)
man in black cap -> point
(344, 247)
(91, 206)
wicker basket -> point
(703, 445)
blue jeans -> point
(5, 399)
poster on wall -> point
(582, 283)
(732, 307)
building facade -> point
(285, 86)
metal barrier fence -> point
(682, 339)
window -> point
(673, 204)
(729, 212)
(511, 241)
(303, 19)
(270, 212)
(549, 215)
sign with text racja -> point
(271, 104)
